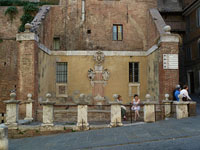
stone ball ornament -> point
(167, 96)
(167, 29)
(12, 95)
(48, 95)
(115, 96)
(29, 95)
(148, 96)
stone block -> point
(48, 115)
(82, 119)
(149, 111)
(168, 107)
(29, 108)
(116, 119)
(29, 111)
(3, 137)
(181, 109)
(12, 110)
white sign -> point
(170, 61)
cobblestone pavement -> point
(172, 134)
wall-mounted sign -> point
(170, 61)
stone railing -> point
(12, 110)
(182, 110)
(37, 21)
(48, 111)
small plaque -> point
(61, 89)
(170, 61)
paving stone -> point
(171, 134)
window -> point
(198, 17)
(117, 32)
(61, 72)
(133, 72)
(56, 43)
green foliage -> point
(26, 18)
(29, 12)
(1, 40)
(23, 3)
(30, 8)
(11, 11)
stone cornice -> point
(27, 36)
(169, 38)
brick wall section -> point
(8, 70)
(100, 17)
(8, 54)
(168, 79)
(27, 72)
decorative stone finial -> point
(115, 96)
(82, 95)
(48, 95)
(167, 29)
(29, 95)
(12, 96)
(166, 96)
(27, 27)
(148, 97)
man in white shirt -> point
(185, 94)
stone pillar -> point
(27, 66)
(48, 111)
(3, 137)
(82, 118)
(12, 109)
(181, 109)
(168, 50)
(116, 119)
(29, 108)
(167, 104)
(149, 109)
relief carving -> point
(99, 57)
(91, 74)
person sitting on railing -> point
(184, 93)
(123, 108)
(136, 106)
(177, 92)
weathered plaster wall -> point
(46, 74)
(153, 75)
(78, 67)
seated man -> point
(123, 108)
(177, 92)
(185, 94)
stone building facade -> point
(96, 47)
(192, 46)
